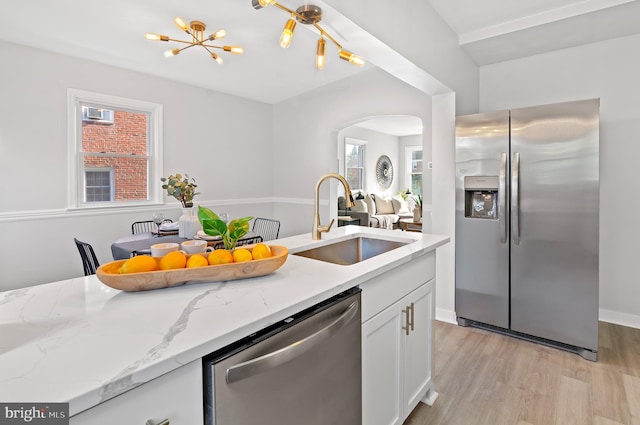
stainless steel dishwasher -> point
(303, 370)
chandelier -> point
(309, 15)
(196, 30)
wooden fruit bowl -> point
(108, 273)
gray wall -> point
(607, 70)
(205, 135)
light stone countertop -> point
(81, 342)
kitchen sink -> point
(351, 251)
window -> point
(414, 168)
(114, 151)
(354, 163)
(98, 185)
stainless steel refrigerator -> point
(527, 207)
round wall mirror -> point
(384, 172)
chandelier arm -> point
(323, 33)
(211, 46)
(187, 47)
(181, 41)
(286, 9)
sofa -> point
(377, 211)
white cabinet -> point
(176, 396)
(397, 350)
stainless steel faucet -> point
(318, 228)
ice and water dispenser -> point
(481, 197)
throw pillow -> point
(400, 206)
(383, 206)
(371, 205)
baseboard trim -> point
(624, 319)
(444, 315)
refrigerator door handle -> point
(276, 358)
(515, 198)
(502, 198)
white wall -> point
(206, 134)
(414, 30)
(306, 132)
(377, 144)
(607, 70)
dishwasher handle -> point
(276, 358)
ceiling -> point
(494, 31)
(112, 32)
(395, 125)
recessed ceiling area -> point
(492, 31)
(395, 125)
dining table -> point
(140, 243)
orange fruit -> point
(173, 260)
(139, 264)
(261, 251)
(197, 260)
(242, 254)
(220, 256)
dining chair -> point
(147, 226)
(241, 242)
(89, 259)
(266, 227)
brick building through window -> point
(115, 146)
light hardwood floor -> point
(491, 379)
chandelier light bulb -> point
(287, 33)
(170, 53)
(216, 58)
(351, 58)
(218, 35)
(320, 59)
(180, 23)
(265, 3)
(233, 49)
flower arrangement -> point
(183, 188)
(212, 225)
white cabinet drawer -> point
(383, 290)
(176, 396)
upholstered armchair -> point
(362, 215)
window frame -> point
(409, 150)
(363, 144)
(75, 101)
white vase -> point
(188, 224)
(417, 214)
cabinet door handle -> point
(411, 322)
(160, 422)
(406, 320)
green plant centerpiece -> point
(183, 188)
(418, 199)
(212, 225)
